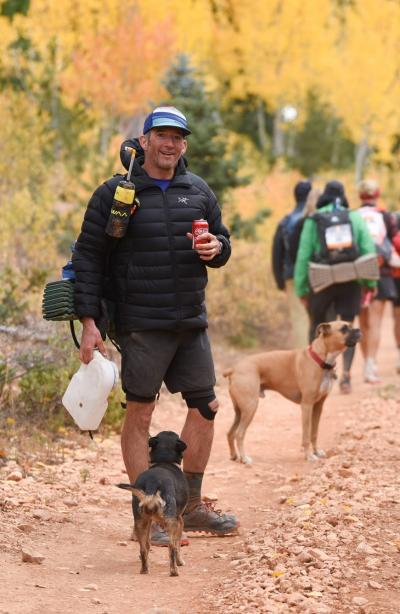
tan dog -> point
(302, 376)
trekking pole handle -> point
(133, 154)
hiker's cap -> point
(369, 189)
(166, 116)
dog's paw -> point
(246, 460)
(320, 453)
(234, 457)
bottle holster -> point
(123, 206)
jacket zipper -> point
(173, 256)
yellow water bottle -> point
(123, 205)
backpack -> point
(377, 229)
(336, 237)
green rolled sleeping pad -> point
(58, 300)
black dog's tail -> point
(151, 504)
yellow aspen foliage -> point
(272, 50)
(362, 78)
(111, 56)
(27, 237)
(192, 23)
(114, 56)
(70, 21)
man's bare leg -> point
(372, 339)
(376, 308)
(198, 434)
(396, 318)
(363, 319)
(135, 437)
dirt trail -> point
(74, 516)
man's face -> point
(163, 147)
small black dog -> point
(161, 495)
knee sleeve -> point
(203, 404)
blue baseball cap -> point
(166, 116)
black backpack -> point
(336, 237)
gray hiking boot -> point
(159, 537)
(205, 519)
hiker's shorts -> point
(182, 360)
(386, 289)
(343, 300)
(396, 302)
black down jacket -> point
(153, 277)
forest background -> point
(273, 91)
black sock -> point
(194, 481)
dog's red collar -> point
(318, 359)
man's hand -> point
(208, 249)
(90, 340)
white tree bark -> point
(361, 157)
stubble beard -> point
(166, 164)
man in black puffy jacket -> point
(156, 284)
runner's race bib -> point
(338, 236)
(335, 237)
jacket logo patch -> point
(183, 199)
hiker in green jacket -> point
(317, 244)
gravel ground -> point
(333, 542)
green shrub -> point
(42, 386)
(243, 303)
(41, 389)
(16, 287)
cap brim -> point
(169, 123)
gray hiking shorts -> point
(182, 360)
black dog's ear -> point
(323, 328)
(180, 445)
(153, 441)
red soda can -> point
(199, 227)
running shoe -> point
(370, 372)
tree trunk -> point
(278, 146)
(261, 129)
(361, 156)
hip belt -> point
(322, 276)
